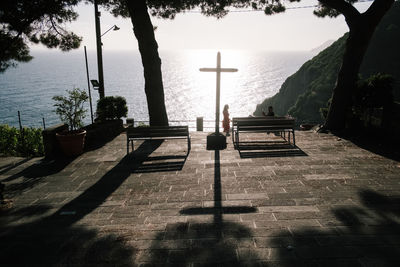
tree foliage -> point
(37, 21)
(70, 108)
(111, 108)
(168, 9)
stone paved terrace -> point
(327, 203)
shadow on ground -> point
(33, 175)
(200, 244)
(268, 149)
(161, 164)
(50, 243)
(367, 235)
(213, 243)
(56, 240)
(379, 142)
(7, 167)
(164, 163)
(364, 235)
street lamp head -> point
(115, 28)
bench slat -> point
(160, 132)
(263, 128)
(175, 134)
(266, 125)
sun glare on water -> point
(199, 88)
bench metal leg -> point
(294, 139)
(189, 145)
(236, 137)
(127, 145)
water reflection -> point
(193, 92)
(189, 93)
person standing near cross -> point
(217, 141)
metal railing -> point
(198, 124)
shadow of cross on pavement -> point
(215, 243)
(218, 210)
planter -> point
(99, 133)
(50, 142)
(72, 143)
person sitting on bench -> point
(270, 112)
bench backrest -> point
(263, 123)
(157, 131)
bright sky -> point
(296, 29)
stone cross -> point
(218, 70)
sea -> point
(189, 93)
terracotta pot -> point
(72, 143)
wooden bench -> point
(279, 125)
(156, 132)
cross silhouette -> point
(218, 210)
(218, 70)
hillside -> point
(321, 47)
(306, 91)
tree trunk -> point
(362, 27)
(360, 35)
(148, 47)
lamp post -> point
(99, 48)
(99, 52)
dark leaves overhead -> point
(325, 10)
(168, 9)
(36, 21)
(43, 21)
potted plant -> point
(108, 123)
(111, 108)
(71, 111)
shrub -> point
(15, 143)
(111, 107)
(374, 92)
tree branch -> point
(347, 9)
(55, 27)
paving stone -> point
(332, 252)
(288, 223)
(288, 209)
(247, 196)
(337, 206)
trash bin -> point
(199, 124)
(130, 121)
